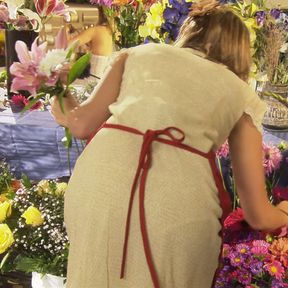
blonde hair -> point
(220, 34)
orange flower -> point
(279, 248)
(15, 184)
(120, 2)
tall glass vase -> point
(11, 36)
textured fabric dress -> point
(162, 86)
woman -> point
(170, 235)
(99, 40)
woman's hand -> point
(69, 103)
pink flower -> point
(19, 100)
(271, 158)
(235, 218)
(26, 72)
(4, 14)
(260, 247)
(275, 269)
(48, 7)
(223, 151)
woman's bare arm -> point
(84, 119)
(246, 154)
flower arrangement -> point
(253, 258)
(164, 20)
(30, 15)
(269, 39)
(124, 18)
(33, 236)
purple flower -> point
(236, 259)
(107, 3)
(260, 17)
(275, 13)
(244, 276)
(271, 158)
(256, 267)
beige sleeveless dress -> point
(162, 86)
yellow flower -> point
(3, 197)
(6, 238)
(60, 188)
(5, 210)
(33, 216)
(43, 187)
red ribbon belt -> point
(141, 175)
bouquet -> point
(251, 258)
(269, 39)
(124, 18)
(30, 15)
(41, 72)
(33, 236)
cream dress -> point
(162, 86)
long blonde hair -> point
(220, 34)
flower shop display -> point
(33, 236)
(253, 258)
(124, 18)
(269, 41)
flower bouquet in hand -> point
(41, 72)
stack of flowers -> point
(33, 236)
(253, 258)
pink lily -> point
(48, 7)
(27, 76)
(61, 41)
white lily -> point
(13, 6)
(37, 25)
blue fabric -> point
(31, 144)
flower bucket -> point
(47, 281)
(276, 116)
(11, 36)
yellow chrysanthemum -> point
(33, 216)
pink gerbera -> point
(271, 158)
(275, 268)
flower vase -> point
(276, 98)
(11, 36)
(47, 281)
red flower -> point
(280, 193)
(19, 100)
(234, 219)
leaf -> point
(78, 68)
(26, 181)
(27, 264)
(4, 260)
